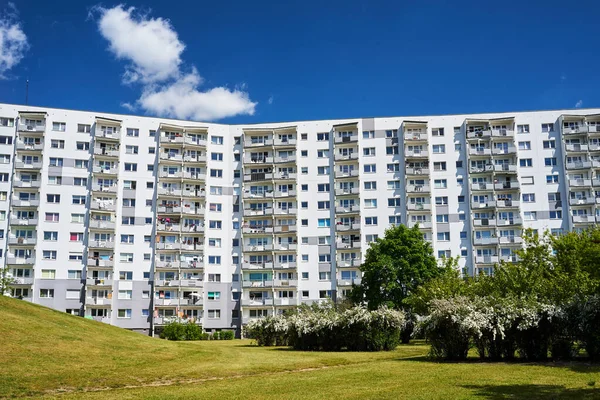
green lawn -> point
(47, 353)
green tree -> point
(5, 281)
(394, 267)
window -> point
(77, 218)
(214, 314)
(151, 150)
(304, 170)
(551, 178)
(324, 222)
(72, 294)
(304, 257)
(550, 144)
(525, 145)
(83, 146)
(214, 242)
(55, 180)
(59, 126)
(527, 180)
(547, 127)
(371, 238)
(126, 257)
(216, 190)
(124, 313)
(323, 205)
(457, 147)
(79, 199)
(371, 185)
(444, 253)
(304, 187)
(549, 161)
(304, 136)
(324, 276)
(131, 167)
(304, 222)
(216, 207)
(152, 133)
(216, 173)
(128, 202)
(304, 153)
(214, 295)
(83, 128)
(124, 294)
(441, 200)
(48, 274)
(556, 214)
(51, 236)
(439, 148)
(439, 166)
(443, 236)
(7, 122)
(213, 224)
(395, 219)
(437, 132)
(75, 257)
(76, 236)
(370, 203)
(53, 198)
(391, 150)
(131, 149)
(46, 293)
(55, 162)
(553, 196)
(216, 139)
(395, 167)
(370, 168)
(133, 132)
(214, 277)
(522, 128)
(528, 197)
(80, 182)
(323, 153)
(370, 220)
(57, 144)
(463, 234)
(440, 183)
(530, 215)
(52, 217)
(125, 275)
(127, 239)
(369, 151)
(216, 156)
(441, 218)
(304, 204)
(393, 185)
(305, 275)
(368, 134)
(323, 137)
(323, 187)
(394, 202)
(525, 162)
(323, 170)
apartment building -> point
(137, 221)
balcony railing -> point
(256, 284)
(351, 191)
(413, 137)
(27, 184)
(492, 259)
(31, 127)
(485, 240)
(101, 244)
(346, 139)
(418, 188)
(579, 165)
(580, 182)
(418, 206)
(23, 222)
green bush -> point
(227, 335)
(178, 331)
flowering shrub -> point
(586, 318)
(324, 328)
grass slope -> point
(45, 352)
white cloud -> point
(128, 106)
(153, 49)
(270, 100)
(13, 41)
(579, 104)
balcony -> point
(596, 182)
(346, 139)
(478, 169)
(99, 263)
(348, 210)
(284, 265)
(168, 227)
(104, 189)
(22, 281)
(504, 150)
(21, 127)
(285, 246)
(346, 174)
(415, 137)
(23, 222)
(194, 159)
(418, 188)
(257, 302)
(16, 202)
(478, 222)
(258, 248)
(285, 211)
(103, 151)
(257, 284)
(510, 240)
(196, 176)
(259, 177)
(344, 245)
(355, 190)
(475, 151)
(255, 212)
(171, 209)
(287, 142)
(27, 184)
(99, 282)
(258, 143)
(288, 193)
(28, 166)
(170, 174)
(348, 282)
(188, 210)
(166, 302)
(417, 171)
(283, 160)
(346, 157)
(258, 195)
(167, 264)
(580, 182)
(584, 219)
(161, 191)
(505, 168)
(171, 157)
(168, 246)
(503, 133)
(352, 263)
(507, 203)
(102, 224)
(108, 134)
(347, 227)
(416, 153)
(98, 301)
(507, 185)
(285, 228)
(248, 159)
(478, 186)
(11, 260)
(285, 176)
(582, 201)
(492, 259)
(29, 146)
(102, 206)
(418, 206)
(422, 224)
(194, 141)
(482, 241)
(579, 165)
(101, 244)
(172, 139)
(256, 266)
(114, 170)
(285, 283)
(576, 148)
(574, 130)
(479, 134)
(509, 221)
(21, 241)
(193, 228)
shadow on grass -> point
(505, 392)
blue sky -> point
(292, 60)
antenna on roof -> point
(27, 93)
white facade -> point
(135, 221)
